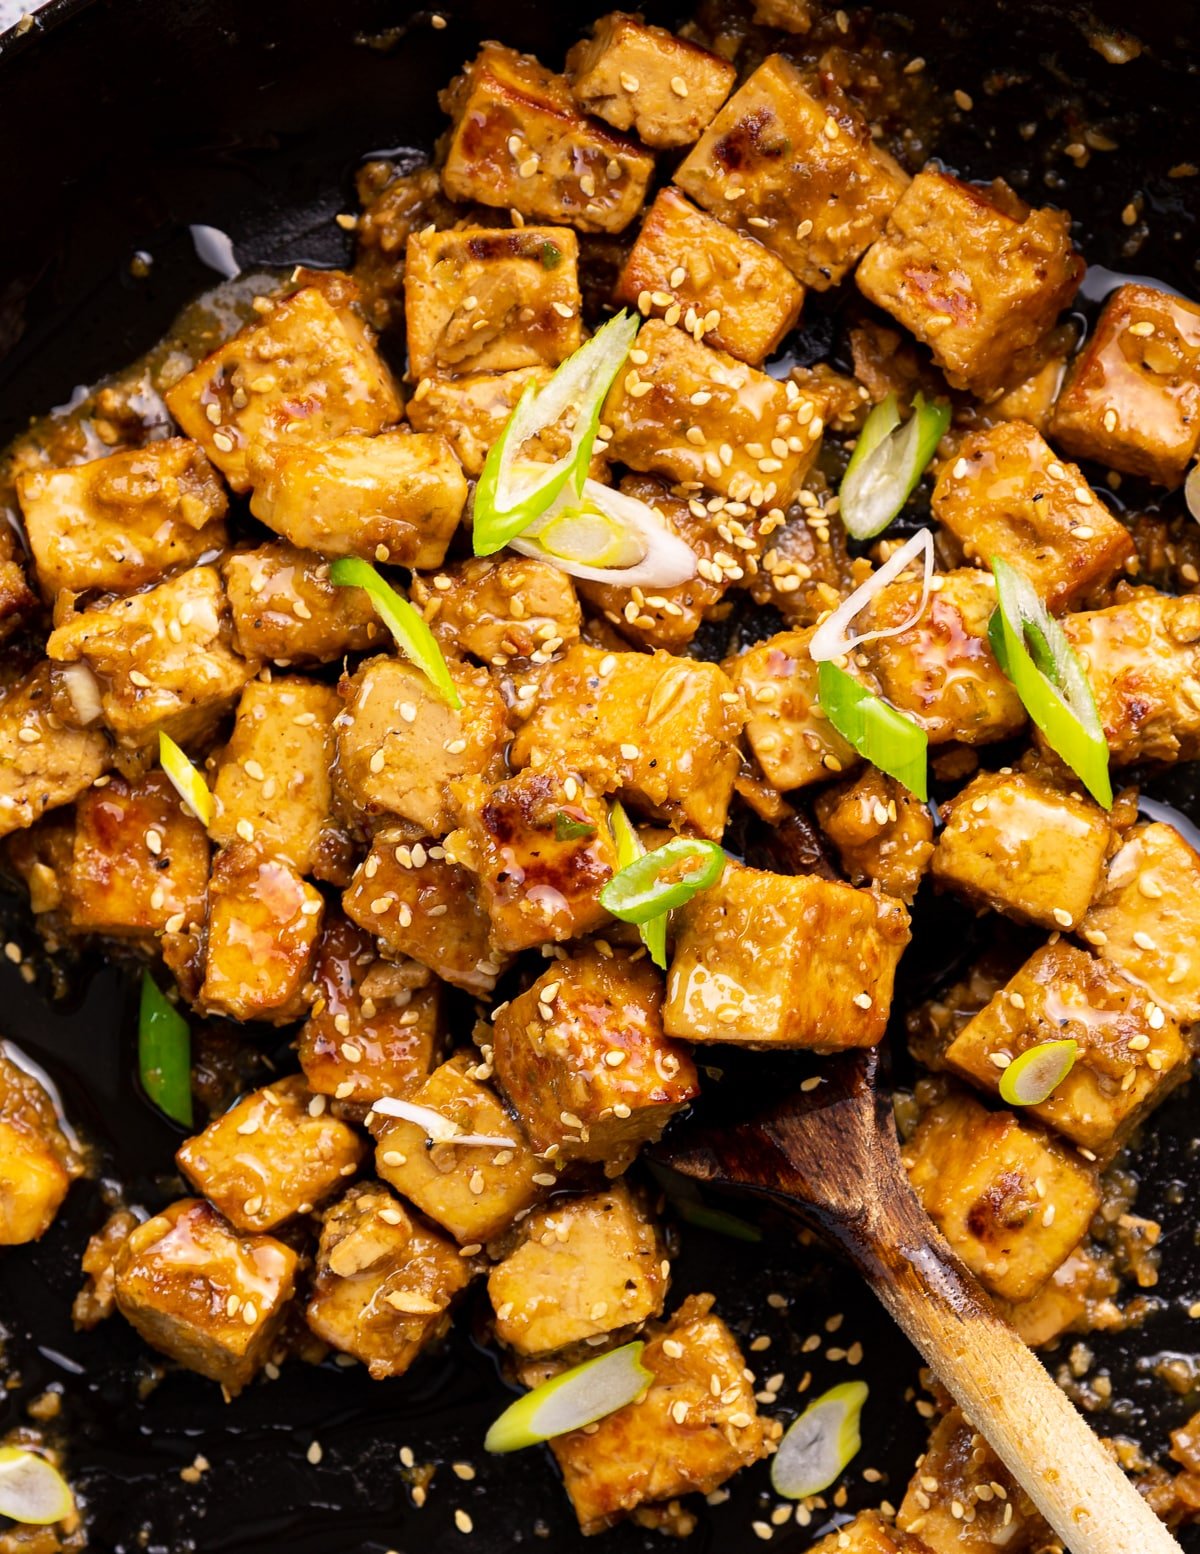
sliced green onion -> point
(568, 827)
(605, 536)
(889, 459)
(514, 489)
(629, 850)
(165, 1053)
(1034, 652)
(1191, 492)
(1036, 1074)
(571, 1400)
(887, 738)
(32, 1491)
(185, 779)
(821, 1444)
(661, 880)
(406, 624)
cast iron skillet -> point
(120, 124)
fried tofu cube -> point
(1077, 1299)
(384, 1282)
(868, 1533)
(418, 904)
(517, 141)
(1132, 397)
(118, 523)
(37, 1161)
(695, 1427)
(792, 740)
(660, 730)
(700, 270)
(505, 611)
(805, 571)
(1012, 1203)
(491, 299)
(583, 1058)
(263, 923)
(789, 161)
(471, 410)
(306, 371)
(586, 1268)
(285, 608)
(42, 763)
(775, 960)
(1130, 1054)
(474, 1191)
(956, 1466)
(1006, 494)
(790, 16)
(204, 1295)
(277, 1153)
(646, 79)
(975, 274)
(753, 439)
(399, 744)
(162, 660)
(883, 833)
(1025, 846)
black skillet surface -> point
(120, 124)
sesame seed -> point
(463, 1522)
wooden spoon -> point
(833, 1157)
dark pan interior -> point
(121, 122)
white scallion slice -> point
(604, 536)
(84, 690)
(185, 779)
(889, 459)
(820, 1444)
(1036, 1074)
(32, 1491)
(569, 1401)
(440, 1129)
(832, 637)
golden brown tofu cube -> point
(276, 1154)
(1012, 1203)
(660, 730)
(207, 1297)
(868, 1533)
(586, 1268)
(1006, 494)
(42, 764)
(805, 570)
(399, 744)
(1025, 846)
(285, 608)
(504, 610)
(792, 740)
(784, 960)
(646, 79)
(263, 923)
(655, 1449)
(582, 1057)
(976, 274)
(384, 1281)
(789, 161)
(518, 141)
(1130, 1054)
(473, 1190)
(883, 833)
(161, 660)
(1132, 398)
(307, 371)
(121, 522)
(471, 411)
(952, 1503)
(37, 1160)
(753, 439)
(1077, 1299)
(491, 299)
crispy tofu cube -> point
(646, 79)
(586, 1268)
(274, 1155)
(660, 730)
(471, 411)
(419, 905)
(754, 439)
(399, 744)
(805, 571)
(118, 523)
(784, 960)
(554, 1050)
(306, 371)
(1077, 1299)
(1025, 846)
(792, 740)
(272, 786)
(1131, 1055)
(491, 299)
(791, 162)
(789, 16)
(285, 608)
(40, 858)
(653, 1450)
(868, 1533)
(37, 1161)
(1132, 398)
(883, 833)
(162, 660)
(207, 1297)
(517, 141)
(1012, 1203)
(503, 610)
(474, 1191)
(957, 1465)
(263, 923)
(384, 1281)
(42, 763)
(976, 274)
(1005, 494)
